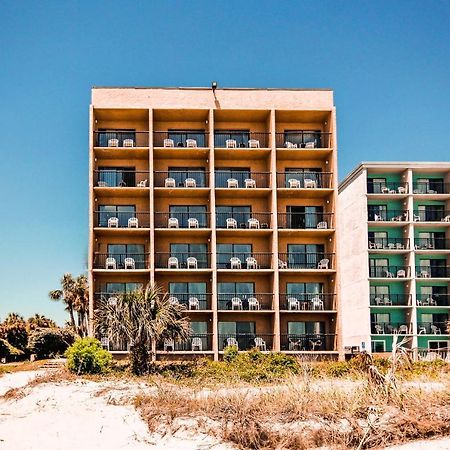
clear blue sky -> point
(388, 62)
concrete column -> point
(92, 206)
(151, 237)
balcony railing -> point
(120, 138)
(186, 261)
(391, 328)
(182, 220)
(308, 342)
(432, 244)
(125, 261)
(388, 216)
(246, 341)
(244, 220)
(194, 343)
(436, 187)
(121, 178)
(378, 187)
(306, 260)
(433, 271)
(304, 180)
(192, 302)
(303, 139)
(388, 243)
(240, 139)
(432, 328)
(241, 179)
(244, 261)
(390, 299)
(305, 221)
(181, 179)
(389, 272)
(307, 302)
(431, 215)
(245, 302)
(180, 138)
(122, 219)
(433, 300)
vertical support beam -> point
(91, 222)
(151, 237)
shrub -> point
(50, 342)
(337, 369)
(230, 353)
(86, 356)
(7, 351)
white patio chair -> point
(387, 301)
(310, 145)
(431, 301)
(388, 274)
(317, 304)
(169, 343)
(253, 143)
(424, 274)
(422, 330)
(172, 262)
(384, 190)
(379, 329)
(323, 263)
(322, 225)
(401, 190)
(197, 344)
(293, 183)
(253, 304)
(391, 246)
(113, 222)
(172, 222)
(401, 273)
(236, 303)
(112, 301)
(190, 183)
(446, 219)
(253, 223)
(193, 222)
(193, 303)
(133, 222)
(235, 263)
(142, 184)
(282, 264)
(435, 329)
(169, 183)
(372, 245)
(399, 246)
(232, 183)
(128, 143)
(403, 329)
(260, 344)
(379, 301)
(174, 300)
(191, 143)
(102, 184)
(293, 304)
(251, 262)
(232, 341)
(295, 344)
(129, 263)
(249, 183)
(377, 218)
(113, 142)
(230, 143)
(416, 218)
(309, 184)
(288, 144)
(110, 263)
(191, 263)
(169, 143)
(231, 223)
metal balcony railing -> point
(241, 179)
(121, 178)
(232, 139)
(192, 302)
(198, 342)
(390, 299)
(388, 216)
(431, 215)
(124, 261)
(432, 244)
(243, 220)
(307, 302)
(391, 328)
(263, 342)
(182, 220)
(435, 187)
(389, 272)
(305, 221)
(244, 260)
(433, 271)
(305, 180)
(180, 138)
(388, 243)
(320, 342)
(182, 260)
(379, 187)
(122, 219)
(432, 328)
(245, 302)
(306, 260)
(303, 139)
(181, 179)
(120, 138)
(433, 300)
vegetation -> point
(50, 342)
(39, 321)
(14, 330)
(86, 356)
(143, 318)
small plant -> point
(86, 356)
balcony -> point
(433, 271)
(263, 342)
(125, 261)
(192, 302)
(184, 220)
(307, 302)
(181, 179)
(431, 215)
(308, 342)
(231, 139)
(375, 187)
(243, 220)
(305, 221)
(304, 180)
(241, 179)
(389, 272)
(435, 187)
(180, 138)
(120, 139)
(433, 300)
(307, 139)
(185, 261)
(388, 216)
(121, 178)
(245, 302)
(196, 343)
(390, 299)
(432, 328)
(244, 261)
(130, 220)
(432, 244)
(391, 328)
(389, 243)
(306, 261)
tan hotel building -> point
(226, 199)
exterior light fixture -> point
(214, 85)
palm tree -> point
(14, 330)
(39, 321)
(142, 318)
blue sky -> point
(388, 62)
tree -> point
(141, 318)
(50, 342)
(14, 330)
(39, 321)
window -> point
(180, 174)
(227, 251)
(243, 332)
(179, 137)
(238, 173)
(375, 185)
(104, 136)
(240, 213)
(431, 213)
(184, 290)
(123, 288)
(301, 217)
(117, 176)
(429, 186)
(240, 289)
(378, 346)
(199, 327)
(122, 212)
(184, 251)
(378, 292)
(301, 328)
(380, 318)
(300, 174)
(183, 213)
(437, 293)
(240, 136)
(431, 240)
(304, 288)
(304, 256)
(302, 137)
(434, 267)
(378, 267)
(379, 238)
(379, 210)
(437, 345)
(121, 251)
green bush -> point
(50, 342)
(86, 356)
(338, 369)
(8, 351)
(230, 353)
